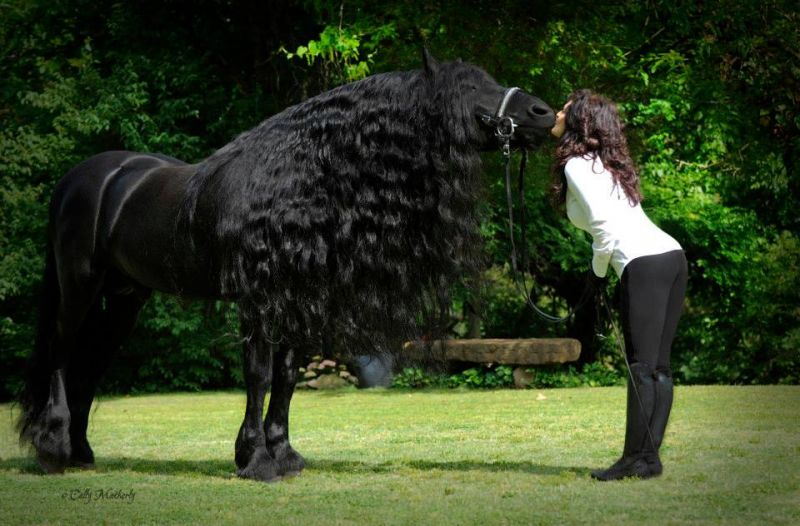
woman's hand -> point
(595, 282)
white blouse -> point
(620, 231)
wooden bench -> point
(516, 352)
(527, 351)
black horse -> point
(345, 215)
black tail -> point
(36, 389)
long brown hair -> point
(593, 128)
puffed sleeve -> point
(591, 191)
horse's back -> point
(119, 209)
(84, 185)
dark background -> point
(709, 91)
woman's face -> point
(561, 117)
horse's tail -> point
(36, 387)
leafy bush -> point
(179, 348)
(591, 375)
(483, 377)
(502, 376)
(416, 378)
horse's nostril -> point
(539, 110)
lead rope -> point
(521, 283)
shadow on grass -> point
(352, 466)
(226, 469)
(214, 468)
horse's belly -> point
(159, 267)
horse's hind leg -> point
(109, 323)
(49, 431)
(276, 425)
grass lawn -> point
(731, 456)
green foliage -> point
(21, 214)
(70, 91)
(490, 376)
(180, 348)
(503, 304)
(709, 92)
(345, 54)
(594, 374)
(416, 378)
(483, 377)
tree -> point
(709, 90)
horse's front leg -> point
(276, 425)
(252, 459)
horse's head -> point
(497, 110)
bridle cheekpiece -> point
(504, 125)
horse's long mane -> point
(350, 213)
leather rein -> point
(504, 128)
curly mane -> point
(350, 213)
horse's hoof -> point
(51, 464)
(52, 452)
(290, 462)
(258, 474)
(261, 467)
(82, 455)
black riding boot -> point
(658, 423)
(638, 448)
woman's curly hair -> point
(593, 128)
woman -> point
(596, 179)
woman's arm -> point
(592, 191)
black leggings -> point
(653, 289)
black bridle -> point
(504, 125)
(504, 128)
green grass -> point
(732, 456)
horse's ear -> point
(431, 65)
